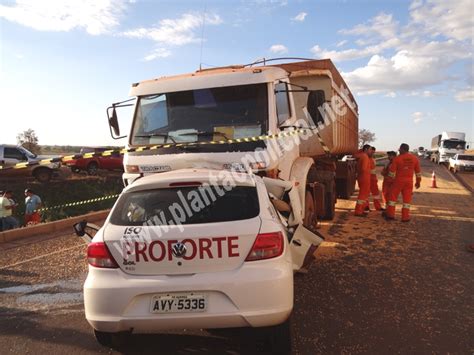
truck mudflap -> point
(303, 244)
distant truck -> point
(10, 155)
(447, 145)
(461, 162)
(92, 165)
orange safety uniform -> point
(402, 169)
(387, 183)
(374, 186)
(363, 180)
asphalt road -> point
(376, 287)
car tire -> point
(103, 338)
(43, 175)
(92, 168)
(278, 338)
(75, 170)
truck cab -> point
(288, 121)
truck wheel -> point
(92, 168)
(330, 201)
(309, 220)
(42, 175)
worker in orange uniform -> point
(374, 184)
(387, 180)
(402, 169)
(363, 180)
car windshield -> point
(466, 157)
(449, 144)
(185, 205)
(201, 115)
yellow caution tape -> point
(77, 203)
(161, 146)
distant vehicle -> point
(92, 165)
(421, 151)
(427, 154)
(11, 155)
(461, 162)
(446, 145)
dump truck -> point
(446, 145)
(293, 122)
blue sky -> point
(409, 63)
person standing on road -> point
(363, 180)
(387, 180)
(6, 211)
(32, 204)
(402, 169)
(374, 184)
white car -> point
(188, 249)
(461, 162)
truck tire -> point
(92, 168)
(43, 175)
(330, 200)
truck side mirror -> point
(80, 228)
(316, 99)
(113, 121)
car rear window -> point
(186, 205)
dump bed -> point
(339, 132)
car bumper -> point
(257, 294)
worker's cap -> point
(391, 153)
(28, 190)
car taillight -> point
(266, 246)
(98, 255)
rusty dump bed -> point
(340, 131)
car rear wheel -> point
(75, 169)
(92, 168)
(278, 338)
(42, 174)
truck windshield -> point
(201, 115)
(449, 144)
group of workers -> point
(398, 178)
(8, 206)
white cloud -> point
(452, 19)
(96, 17)
(279, 49)
(417, 117)
(381, 25)
(341, 43)
(175, 32)
(300, 17)
(465, 95)
(157, 53)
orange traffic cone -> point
(433, 180)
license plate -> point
(178, 303)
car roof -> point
(204, 176)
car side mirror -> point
(80, 228)
(85, 230)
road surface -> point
(376, 287)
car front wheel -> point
(42, 174)
(92, 168)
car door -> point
(11, 157)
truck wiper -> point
(205, 134)
(165, 135)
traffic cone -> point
(433, 180)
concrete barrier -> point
(50, 227)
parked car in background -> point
(427, 154)
(10, 155)
(92, 165)
(461, 162)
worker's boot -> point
(377, 204)
(406, 213)
(389, 213)
(359, 209)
